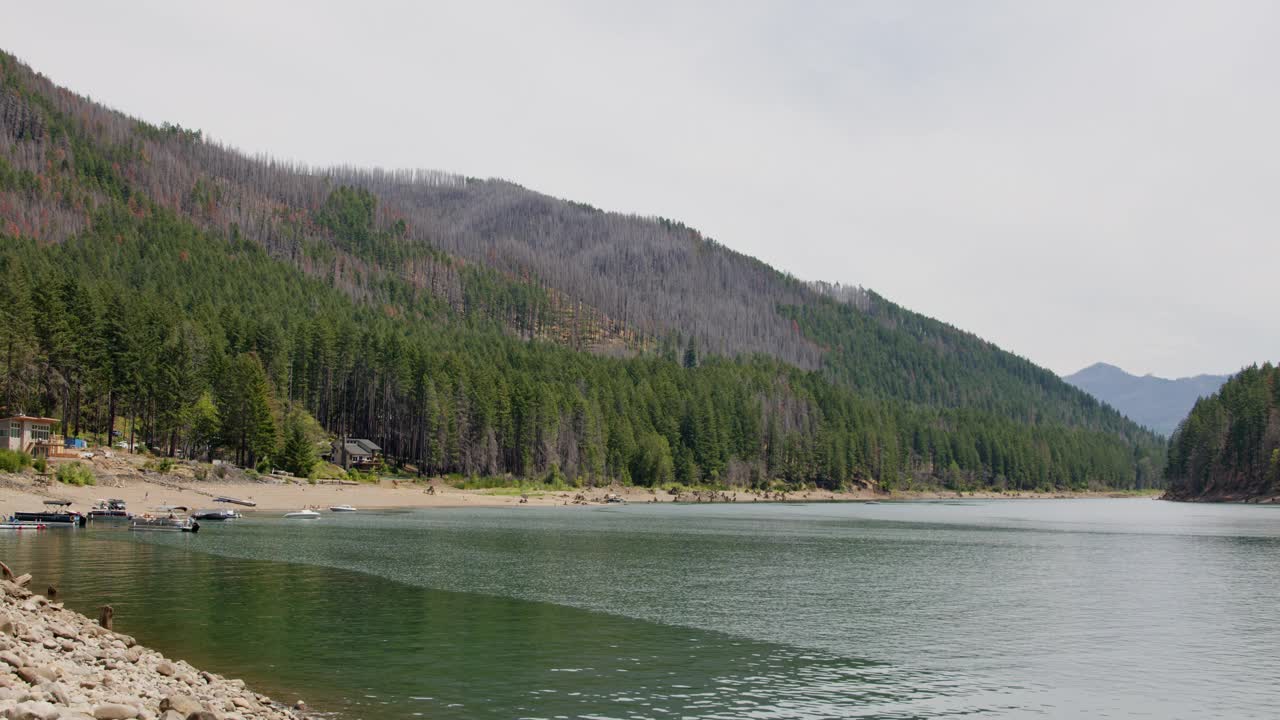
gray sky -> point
(1076, 181)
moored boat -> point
(165, 524)
(342, 508)
(216, 514)
(61, 518)
(21, 526)
(303, 515)
(111, 512)
(235, 501)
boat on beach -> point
(303, 515)
(342, 508)
(235, 501)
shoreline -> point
(145, 492)
(57, 663)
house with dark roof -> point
(355, 453)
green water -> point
(1116, 608)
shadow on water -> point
(360, 646)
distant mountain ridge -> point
(1154, 402)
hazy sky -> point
(1076, 181)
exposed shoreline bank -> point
(56, 664)
(145, 492)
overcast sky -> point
(1076, 181)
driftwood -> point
(105, 614)
(8, 574)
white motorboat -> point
(342, 508)
(303, 515)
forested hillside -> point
(1228, 448)
(476, 327)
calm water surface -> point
(1010, 609)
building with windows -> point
(355, 453)
(27, 434)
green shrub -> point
(75, 473)
(219, 471)
(13, 461)
(161, 465)
(41, 465)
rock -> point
(30, 674)
(202, 715)
(241, 703)
(172, 715)
(33, 711)
(133, 654)
(10, 658)
(184, 705)
(167, 669)
(57, 692)
(115, 711)
(22, 580)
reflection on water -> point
(1006, 609)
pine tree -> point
(297, 453)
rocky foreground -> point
(56, 664)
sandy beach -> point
(124, 477)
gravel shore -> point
(56, 664)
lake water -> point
(1010, 609)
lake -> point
(1000, 608)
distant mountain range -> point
(1155, 402)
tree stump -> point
(105, 613)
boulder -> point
(57, 692)
(182, 704)
(167, 669)
(115, 711)
(33, 711)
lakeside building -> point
(355, 453)
(24, 433)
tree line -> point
(1228, 447)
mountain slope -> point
(1228, 448)
(1153, 402)
(468, 326)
